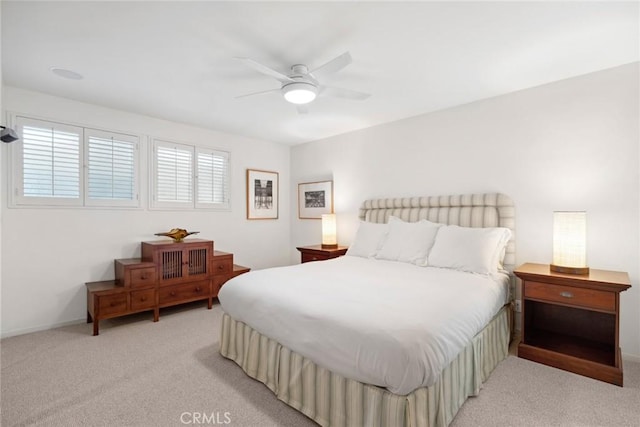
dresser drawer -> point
(581, 297)
(187, 292)
(112, 304)
(135, 273)
(142, 276)
(219, 280)
(143, 299)
(222, 265)
(217, 283)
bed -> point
(386, 339)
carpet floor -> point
(140, 373)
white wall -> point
(569, 145)
(48, 254)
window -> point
(212, 178)
(50, 160)
(111, 173)
(174, 174)
(63, 165)
(185, 176)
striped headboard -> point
(466, 210)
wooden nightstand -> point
(316, 253)
(571, 322)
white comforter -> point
(391, 324)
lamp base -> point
(329, 246)
(569, 270)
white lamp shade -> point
(570, 242)
(329, 238)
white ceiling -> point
(174, 60)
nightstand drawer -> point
(582, 297)
(318, 253)
(143, 299)
(308, 257)
(143, 276)
(111, 304)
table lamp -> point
(570, 243)
(329, 239)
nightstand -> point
(571, 322)
(317, 253)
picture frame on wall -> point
(262, 194)
(315, 199)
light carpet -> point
(140, 373)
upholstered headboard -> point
(466, 210)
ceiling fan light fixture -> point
(299, 92)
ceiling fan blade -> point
(302, 109)
(265, 70)
(344, 93)
(336, 64)
(258, 93)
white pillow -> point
(475, 250)
(368, 239)
(408, 241)
(502, 250)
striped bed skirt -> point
(333, 400)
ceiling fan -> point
(302, 86)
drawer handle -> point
(144, 277)
(198, 289)
(143, 299)
(172, 293)
(221, 267)
(566, 294)
(112, 304)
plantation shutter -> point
(173, 174)
(112, 165)
(212, 178)
(49, 163)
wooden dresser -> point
(167, 274)
(571, 322)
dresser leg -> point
(209, 303)
(95, 327)
(156, 314)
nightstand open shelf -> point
(571, 322)
(577, 332)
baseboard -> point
(631, 357)
(40, 328)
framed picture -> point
(262, 194)
(315, 199)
